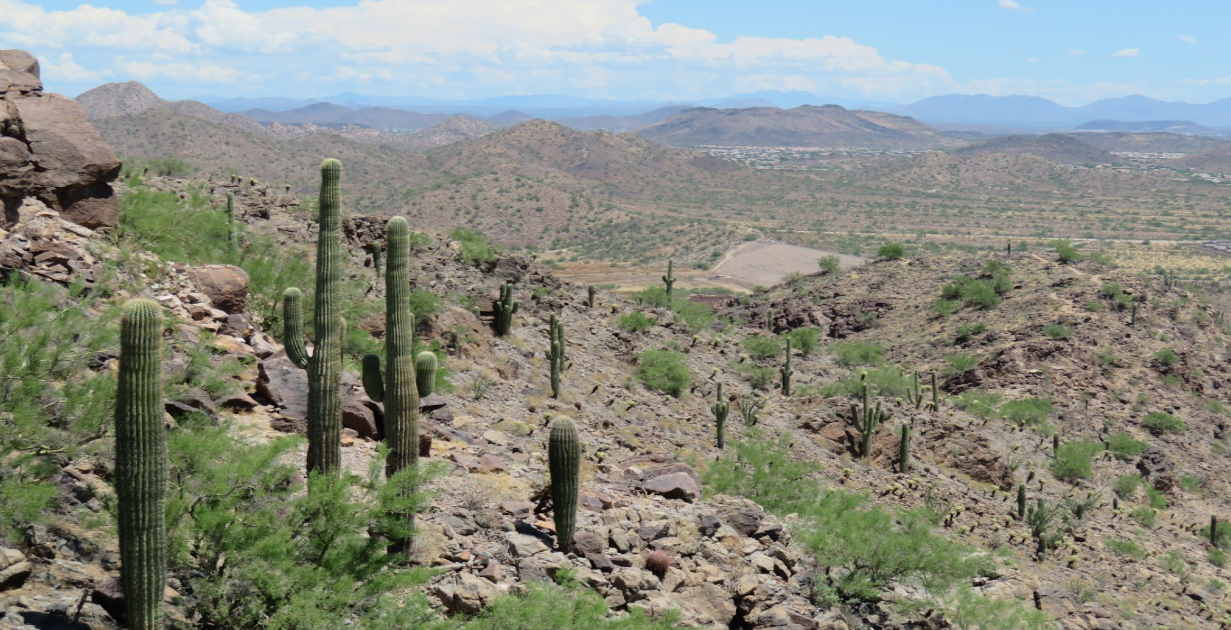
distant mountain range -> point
(1033, 111)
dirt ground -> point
(762, 263)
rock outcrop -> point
(49, 151)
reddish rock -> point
(226, 285)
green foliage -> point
(1191, 483)
(1126, 486)
(1126, 548)
(967, 610)
(1123, 447)
(551, 607)
(692, 316)
(664, 371)
(763, 346)
(1111, 289)
(758, 377)
(166, 166)
(56, 404)
(1163, 422)
(944, 307)
(891, 251)
(1217, 557)
(979, 402)
(1027, 411)
(1057, 332)
(634, 321)
(1155, 497)
(966, 332)
(1073, 460)
(828, 264)
(1166, 357)
(423, 303)
(475, 250)
(979, 293)
(1066, 251)
(888, 381)
(857, 353)
(959, 363)
(805, 340)
(652, 296)
(1144, 515)
(1093, 307)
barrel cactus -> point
(564, 463)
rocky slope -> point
(1054, 147)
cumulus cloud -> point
(1188, 39)
(1010, 5)
(64, 67)
(166, 3)
(1127, 52)
(1075, 52)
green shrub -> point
(828, 264)
(959, 363)
(692, 316)
(1166, 357)
(475, 248)
(1066, 251)
(758, 377)
(1111, 289)
(664, 371)
(1027, 411)
(763, 346)
(981, 403)
(1126, 486)
(966, 332)
(857, 353)
(888, 381)
(1163, 422)
(1155, 497)
(967, 610)
(1216, 556)
(1123, 447)
(944, 307)
(891, 251)
(1126, 548)
(804, 340)
(652, 296)
(423, 303)
(551, 607)
(1144, 515)
(1057, 332)
(1191, 483)
(634, 322)
(1073, 460)
(981, 294)
(1093, 306)
(1222, 538)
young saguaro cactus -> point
(376, 261)
(141, 464)
(555, 354)
(867, 420)
(505, 307)
(904, 450)
(590, 293)
(786, 370)
(426, 364)
(669, 279)
(232, 234)
(1021, 501)
(721, 408)
(564, 463)
(324, 366)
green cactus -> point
(1133, 318)
(669, 279)
(426, 364)
(904, 450)
(1214, 531)
(721, 408)
(376, 262)
(935, 394)
(914, 391)
(232, 234)
(1021, 501)
(564, 462)
(555, 354)
(786, 370)
(866, 421)
(141, 464)
(325, 364)
(590, 293)
(505, 307)
(769, 320)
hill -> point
(119, 99)
(1213, 160)
(804, 126)
(1153, 142)
(329, 114)
(621, 123)
(1058, 148)
(1147, 126)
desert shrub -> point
(758, 377)
(664, 371)
(1093, 306)
(423, 303)
(1144, 515)
(857, 353)
(967, 610)
(966, 332)
(887, 381)
(944, 307)
(1155, 497)
(959, 363)
(652, 296)
(828, 264)
(804, 340)
(1126, 486)
(1057, 332)
(476, 250)
(1073, 460)
(763, 346)
(567, 607)
(1166, 357)
(634, 322)
(978, 293)
(891, 251)
(1123, 447)
(1066, 251)
(1222, 538)
(1111, 289)
(1191, 483)
(1126, 548)
(692, 316)
(981, 403)
(1163, 422)
(1028, 411)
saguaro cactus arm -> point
(292, 327)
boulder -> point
(226, 285)
(14, 569)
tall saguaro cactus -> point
(786, 370)
(590, 293)
(721, 408)
(141, 464)
(867, 420)
(564, 462)
(904, 450)
(669, 279)
(505, 307)
(555, 354)
(325, 364)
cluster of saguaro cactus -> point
(555, 354)
(590, 293)
(904, 450)
(721, 409)
(564, 463)
(426, 365)
(914, 392)
(504, 308)
(867, 420)
(232, 234)
(669, 279)
(324, 366)
(141, 464)
(786, 370)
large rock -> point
(226, 285)
(49, 150)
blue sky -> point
(1072, 51)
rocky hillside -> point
(1054, 147)
(1154, 142)
(1213, 160)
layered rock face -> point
(49, 151)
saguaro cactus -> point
(904, 450)
(141, 464)
(555, 354)
(376, 262)
(325, 364)
(1021, 501)
(505, 307)
(721, 408)
(935, 394)
(669, 279)
(786, 370)
(590, 292)
(232, 234)
(866, 421)
(564, 462)
(426, 364)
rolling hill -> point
(1214, 160)
(1154, 142)
(1053, 147)
(804, 126)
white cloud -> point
(166, 3)
(67, 69)
(1188, 39)
(1032, 59)
(1075, 52)
(1127, 52)
(1013, 6)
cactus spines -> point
(786, 370)
(564, 462)
(555, 354)
(904, 450)
(669, 279)
(325, 365)
(426, 364)
(657, 562)
(141, 464)
(867, 420)
(1021, 501)
(721, 408)
(590, 293)
(505, 307)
